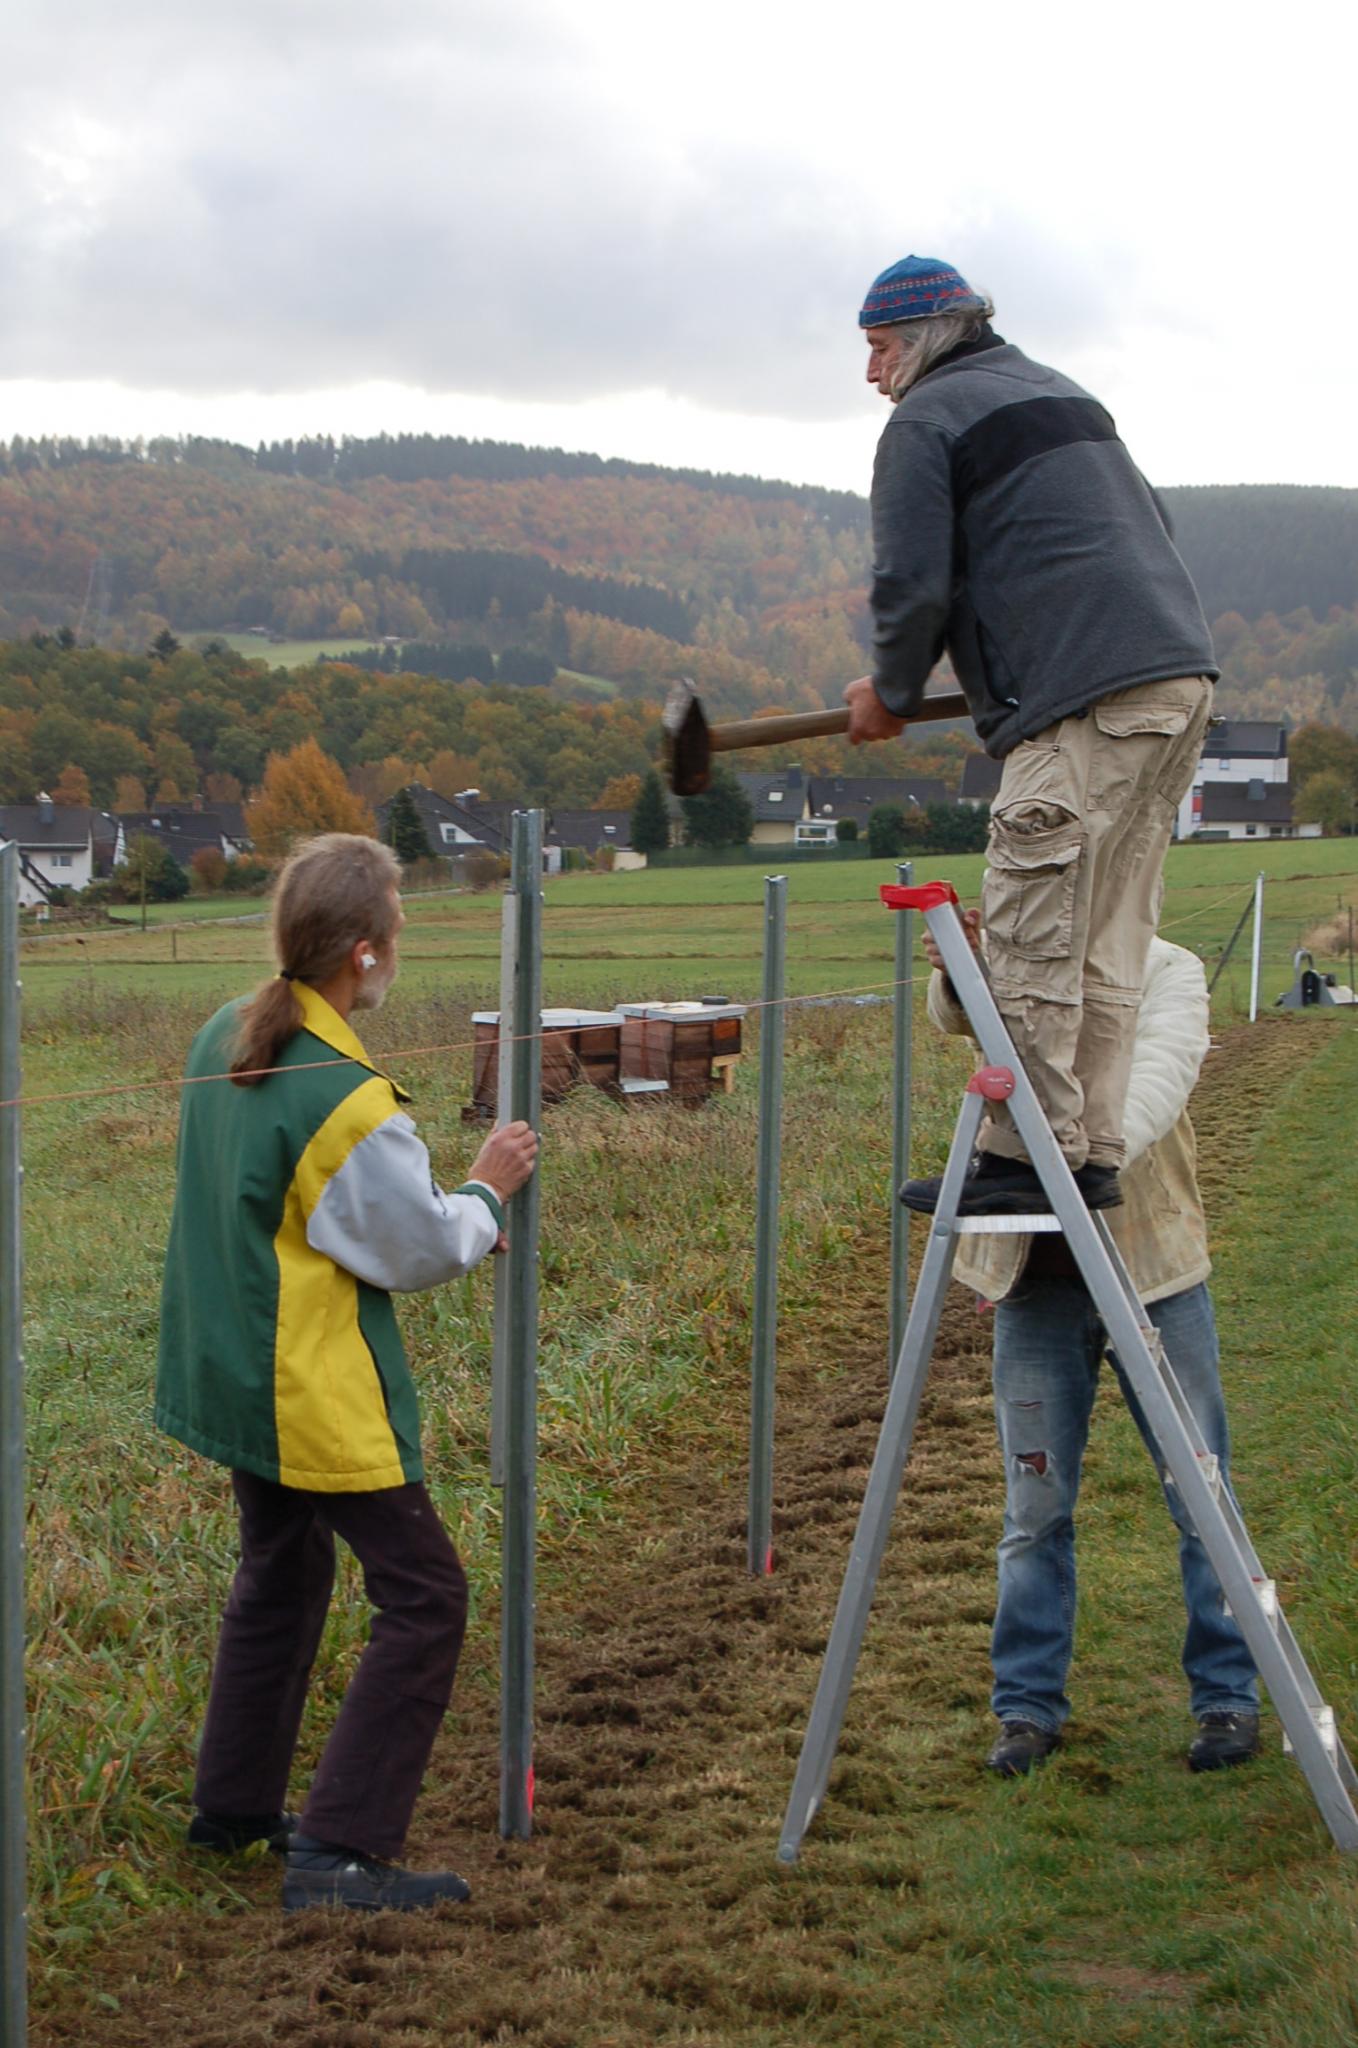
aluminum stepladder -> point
(1308, 1724)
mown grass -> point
(682, 932)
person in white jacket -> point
(1048, 1350)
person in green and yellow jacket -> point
(304, 1199)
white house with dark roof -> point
(56, 846)
(450, 827)
(1236, 752)
(1249, 810)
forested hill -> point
(1257, 548)
(617, 571)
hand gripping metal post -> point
(1186, 1463)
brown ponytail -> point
(333, 891)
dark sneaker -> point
(321, 1874)
(1099, 1185)
(1223, 1740)
(993, 1187)
(1021, 1744)
(227, 1834)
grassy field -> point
(1112, 1902)
(692, 931)
(277, 653)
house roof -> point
(67, 826)
(1247, 803)
(981, 778)
(589, 830)
(435, 811)
(776, 796)
(182, 828)
(857, 796)
(1248, 737)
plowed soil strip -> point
(672, 1698)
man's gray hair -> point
(927, 340)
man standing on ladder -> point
(1049, 1345)
(1013, 532)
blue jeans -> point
(1049, 1344)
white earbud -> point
(366, 960)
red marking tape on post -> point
(995, 1083)
(530, 1786)
(926, 896)
(768, 1562)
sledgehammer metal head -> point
(690, 742)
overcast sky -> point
(647, 230)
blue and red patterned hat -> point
(915, 288)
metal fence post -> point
(763, 1361)
(499, 1363)
(900, 1121)
(1256, 953)
(13, 1826)
(519, 1539)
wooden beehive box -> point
(687, 1045)
(579, 1047)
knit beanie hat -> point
(915, 288)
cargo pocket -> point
(1155, 715)
(1122, 719)
(1030, 889)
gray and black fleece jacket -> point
(1012, 530)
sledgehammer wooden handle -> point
(814, 725)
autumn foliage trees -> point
(304, 792)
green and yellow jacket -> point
(301, 1201)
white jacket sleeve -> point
(1172, 1036)
(383, 1218)
(945, 1012)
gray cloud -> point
(305, 193)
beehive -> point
(578, 1047)
(687, 1045)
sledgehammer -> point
(690, 742)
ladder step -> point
(1211, 1472)
(1004, 1226)
(1323, 1717)
(1268, 1600)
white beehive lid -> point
(559, 1020)
(681, 1013)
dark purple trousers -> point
(369, 1774)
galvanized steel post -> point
(900, 1122)
(499, 1363)
(763, 1362)
(518, 1545)
(1257, 949)
(13, 1835)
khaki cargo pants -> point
(1071, 900)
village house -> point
(778, 801)
(185, 829)
(453, 825)
(1237, 752)
(57, 845)
(1256, 809)
(832, 797)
